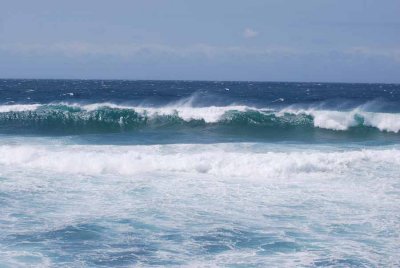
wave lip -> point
(344, 120)
(113, 117)
(18, 107)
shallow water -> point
(198, 196)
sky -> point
(261, 40)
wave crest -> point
(111, 117)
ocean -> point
(115, 173)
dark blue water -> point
(199, 174)
(158, 93)
(185, 111)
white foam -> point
(18, 107)
(333, 120)
(343, 120)
(217, 160)
(383, 121)
(193, 203)
(209, 114)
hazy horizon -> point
(308, 41)
(196, 80)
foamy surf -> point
(190, 174)
(221, 160)
(200, 205)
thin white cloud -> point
(249, 33)
(392, 53)
(79, 49)
(161, 51)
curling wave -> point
(108, 117)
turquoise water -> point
(147, 173)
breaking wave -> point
(223, 160)
(108, 117)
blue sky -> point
(269, 40)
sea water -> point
(199, 174)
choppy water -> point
(199, 174)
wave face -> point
(109, 118)
(210, 111)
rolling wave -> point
(223, 160)
(108, 117)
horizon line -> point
(201, 80)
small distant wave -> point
(109, 117)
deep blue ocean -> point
(115, 173)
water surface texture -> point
(199, 174)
